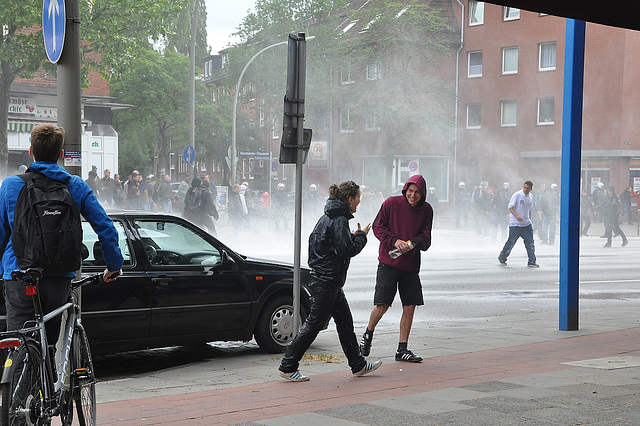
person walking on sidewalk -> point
(611, 216)
(331, 247)
(403, 222)
(520, 207)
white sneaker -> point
(368, 368)
(293, 377)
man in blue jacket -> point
(46, 149)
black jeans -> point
(328, 301)
(54, 292)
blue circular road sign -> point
(189, 154)
(54, 21)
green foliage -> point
(158, 85)
(120, 30)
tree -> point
(21, 54)
(116, 30)
(158, 85)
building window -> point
(476, 12)
(345, 75)
(475, 64)
(547, 56)
(261, 114)
(509, 60)
(275, 128)
(473, 116)
(508, 113)
(214, 95)
(546, 110)
(374, 71)
(346, 122)
(511, 13)
(371, 123)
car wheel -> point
(274, 330)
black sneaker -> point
(502, 261)
(407, 356)
(365, 344)
(533, 265)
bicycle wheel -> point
(21, 398)
(84, 379)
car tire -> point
(274, 330)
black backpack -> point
(193, 202)
(47, 230)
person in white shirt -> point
(520, 207)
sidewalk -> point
(512, 371)
(507, 370)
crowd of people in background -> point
(485, 208)
(482, 207)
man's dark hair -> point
(46, 142)
(528, 182)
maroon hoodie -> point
(398, 220)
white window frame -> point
(475, 68)
(540, 56)
(511, 13)
(374, 71)
(472, 126)
(345, 75)
(546, 121)
(346, 120)
(504, 60)
(504, 112)
(275, 128)
(476, 13)
(261, 115)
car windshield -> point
(174, 243)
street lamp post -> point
(234, 146)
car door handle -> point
(162, 280)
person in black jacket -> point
(331, 247)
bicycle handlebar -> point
(35, 274)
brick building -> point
(34, 101)
(511, 96)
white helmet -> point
(313, 186)
(461, 184)
(281, 185)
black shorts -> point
(390, 280)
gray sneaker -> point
(368, 368)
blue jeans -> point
(515, 232)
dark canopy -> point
(620, 13)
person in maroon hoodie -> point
(403, 222)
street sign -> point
(189, 154)
(54, 21)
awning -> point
(22, 126)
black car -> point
(181, 286)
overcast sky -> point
(223, 17)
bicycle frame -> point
(53, 376)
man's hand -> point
(109, 276)
(402, 246)
(366, 229)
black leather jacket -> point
(332, 245)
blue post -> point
(571, 161)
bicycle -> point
(33, 389)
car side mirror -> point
(226, 260)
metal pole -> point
(571, 162)
(234, 146)
(69, 85)
(301, 65)
(192, 87)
